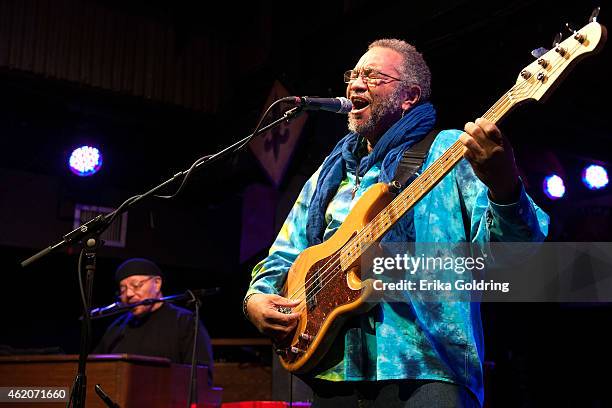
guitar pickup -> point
(315, 287)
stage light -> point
(595, 177)
(85, 161)
(554, 187)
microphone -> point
(337, 105)
(102, 311)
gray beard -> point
(378, 112)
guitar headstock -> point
(538, 79)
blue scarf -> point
(389, 149)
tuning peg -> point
(594, 15)
(538, 52)
(557, 39)
(577, 36)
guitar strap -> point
(412, 159)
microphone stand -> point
(108, 401)
(99, 223)
(193, 384)
(89, 236)
(78, 391)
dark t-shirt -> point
(166, 332)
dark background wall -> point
(158, 84)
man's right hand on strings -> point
(263, 312)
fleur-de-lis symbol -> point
(278, 135)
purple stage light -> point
(553, 187)
(85, 161)
(595, 177)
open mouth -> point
(359, 104)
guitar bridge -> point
(296, 350)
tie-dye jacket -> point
(410, 339)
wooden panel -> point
(131, 381)
(244, 382)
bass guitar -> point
(326, 278)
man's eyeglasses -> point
(370, 76)
(135, 286)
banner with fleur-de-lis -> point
(274, 148)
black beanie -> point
(137, 266)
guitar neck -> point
(407, 199)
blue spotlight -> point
(554, 187)
(595, 177)
(85, 161)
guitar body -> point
(335, 296)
